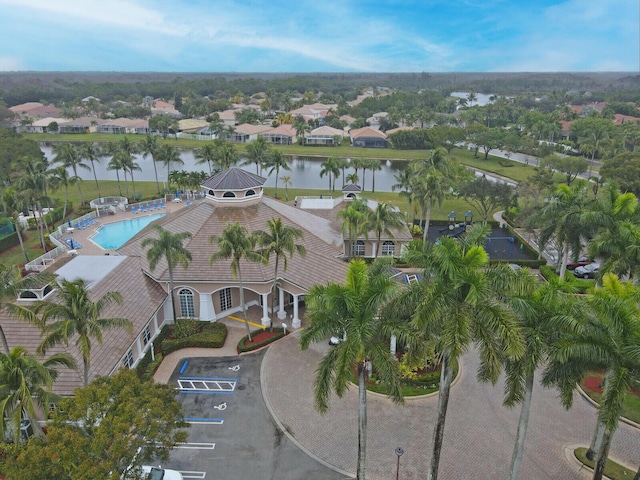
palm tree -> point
(405, 185)
(168, 154)
(561, 218)
(11, 283)
(286, 181)
(13, 203)
(430, 185)
(373, 165)
(150, 146)
(170, 247)
(383, 219)
(206, 154)
(275, 162)
(342, 164)
(331, 169)
(61, 178)
(92, 153)
(352, 219)
(237, 244)
(544, 315)
(25, 382)
(128, 150)
(279, 240)
(68, 155)
(116, 164)
(77, 316)
(226, 154)
(32, 179)
(258, 152)
(353, 309)
(352, 178)
(459, 307)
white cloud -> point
(10, 64)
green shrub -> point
(212, 335)
(242, 348)
(415, 229)
(185, 328)
(572, 284)
(147, 373)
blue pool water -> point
(114, 235)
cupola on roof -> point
(234, 178)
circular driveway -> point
(479, 432)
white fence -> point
(192, 136)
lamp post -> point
(399, 452)
(468, 217)
(452, 220)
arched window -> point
(229, 195)
(28, 294)
(186, 303)
(357, 249)
(212, 193)
(249, 193)
(388, 248)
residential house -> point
(281, 135)
(368, 137)
(247, 132)
(324, 136)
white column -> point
(265, 313)
(168, 314)
(295, 321)
(281, 313)
(393, 345)
(207, 312)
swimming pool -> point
(114, 235)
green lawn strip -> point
(612, 469)
(630, 405)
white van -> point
(157, 473)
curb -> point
(282, 427)
(631, 423)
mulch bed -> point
(261, 337)
(593, 383)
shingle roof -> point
(366, 132)
(234, 178)
(320, 238)
(142, 297)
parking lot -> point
(231, 434)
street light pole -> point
(399, 452)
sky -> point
(320, 36)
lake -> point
(305, 171)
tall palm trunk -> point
(39, 226)
(118, 177)
(21, 240)
(173, 305)
(133, 184)
(373, 181)
(362, 420)
(242, 306)
(565, 257)
(523, 423)
(75, 173)
(155, 171)
(427, 220)
(126, 182)
(95, 177)
(446, 376)
(273, 298)
(66, 201)
(603, 454)
(43, 218)
(85, 364)
(3, 340)
(596, 441)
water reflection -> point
(304, 173)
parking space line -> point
(201, 385)
(204, 421)
(193, 474)
(196, 446)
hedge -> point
(50, 217)
(242, 348)
(574, 285)
(9, 241)
(212, 335)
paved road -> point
(479, 434)
(247, 444)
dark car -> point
(582, 261)
(588, 271)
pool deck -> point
(90, 248)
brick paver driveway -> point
(479, 434)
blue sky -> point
(319, 36)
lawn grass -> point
(630, 405)
(612, 470)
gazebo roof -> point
(233, 178)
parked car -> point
(583, 260)
(157, 473)
(588, 271)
